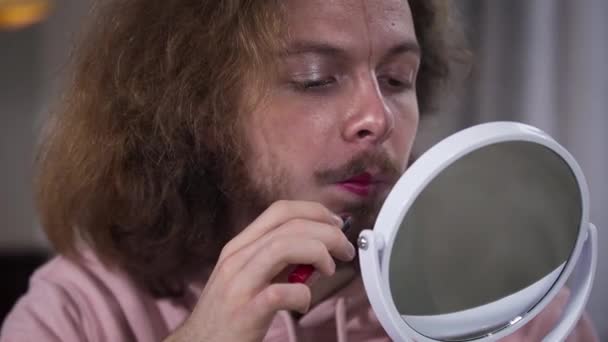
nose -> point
(371, 120)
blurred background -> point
(541, 62)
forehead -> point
(353, 24)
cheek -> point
(291, 139)
(301, 127)
(410, 127)
(406, 127)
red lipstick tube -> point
(303, 272)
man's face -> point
(340, 119)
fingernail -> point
(338, 220)
(351, 251)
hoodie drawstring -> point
(292, 336)
(339, 316)
(341, 331)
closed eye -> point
(316, 84)
(396, 84)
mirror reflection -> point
(485, 241)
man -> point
(192, 123)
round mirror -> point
(500, 222)
(477, 236)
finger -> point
(293, 297)
(277, 255)
(277, 214)
(330, 235)
(333, 239)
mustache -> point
(376, 160)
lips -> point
(361, 185)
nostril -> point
(364, 133)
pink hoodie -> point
(87, 302)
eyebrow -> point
(326, 49)
(312, 47)
(410, 46)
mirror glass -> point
(485, 241)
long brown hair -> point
(132, 161)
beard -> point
(249, 196)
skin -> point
(345, 95)
(343, 103)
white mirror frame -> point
(375, 246)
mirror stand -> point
(582, 281)
(371, 245)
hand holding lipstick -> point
(242, 296)
(303, 272)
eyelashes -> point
(399, 81)
(314, 84)
(391, 82)
(396, 84)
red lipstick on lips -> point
(359, 185)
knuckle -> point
(226, 251)
(303, 295)
(298, 222)
(336, 234)
(332, 265)
(329, 258)
(280, 205)
(321, 210)
(227, 267)
(273, 296)
(320, 247)
(276, 246)
(319, 207)
(320, 250)
(306, 293)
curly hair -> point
(131, 163)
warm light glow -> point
(16, 14)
